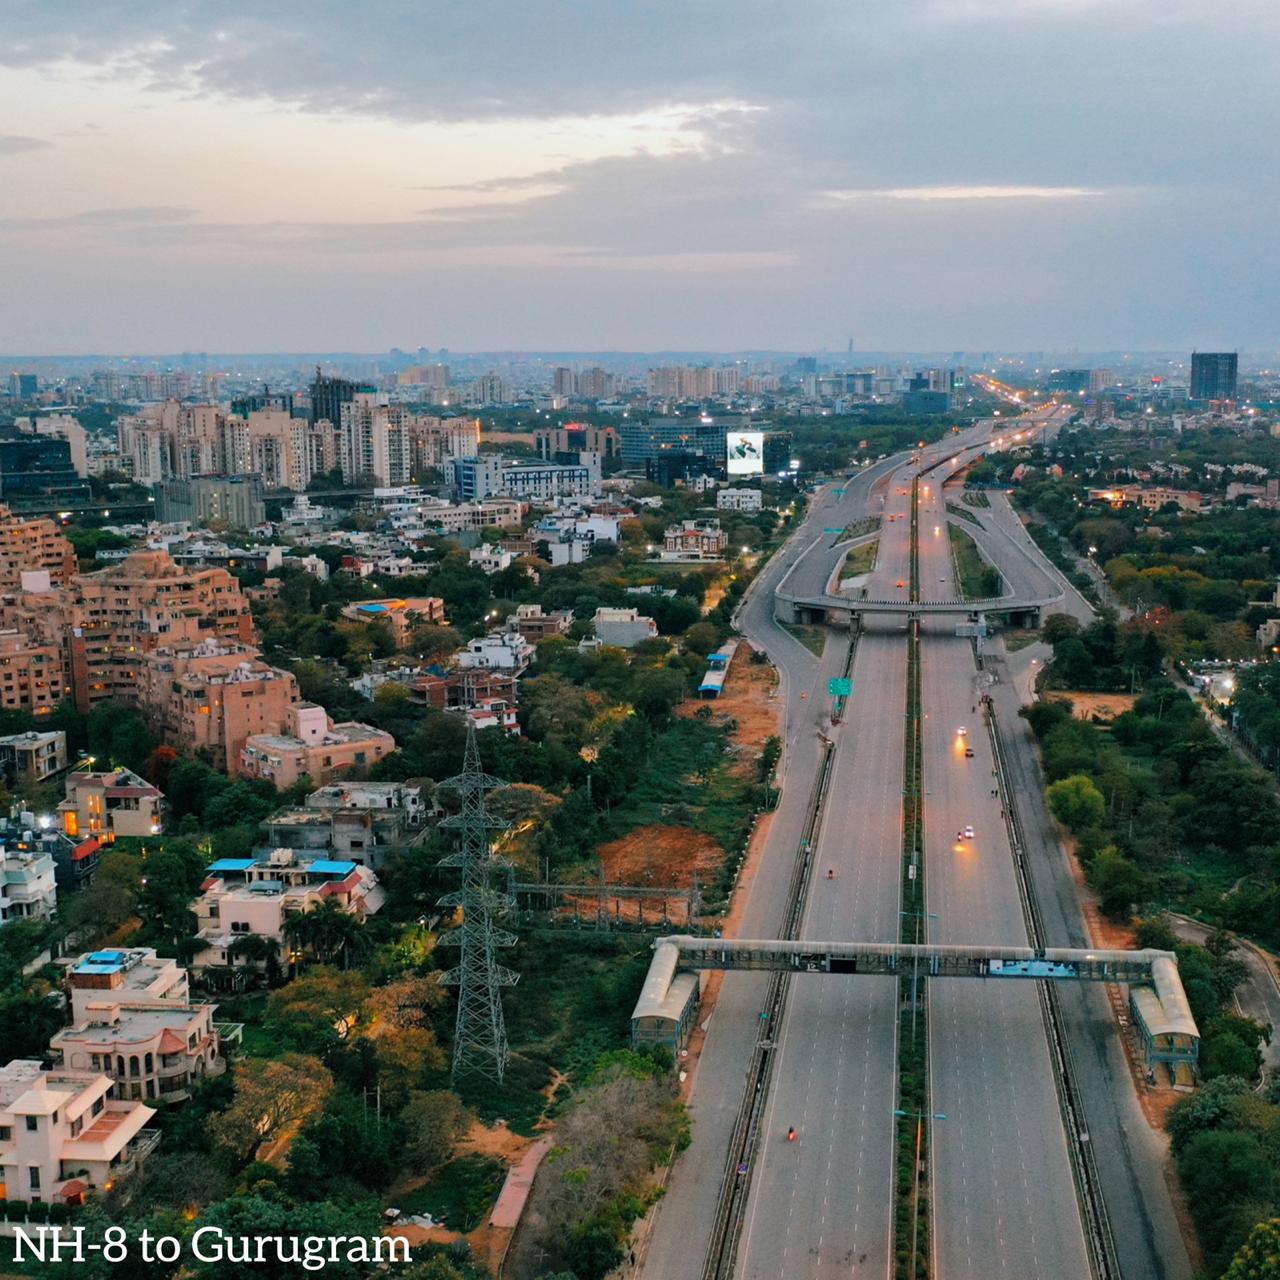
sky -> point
(673, 174)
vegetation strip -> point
(912, 1252)
(1102, 1256)
(739, 1163)
(975, 578)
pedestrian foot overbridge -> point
(668, 1002)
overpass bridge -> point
(832, 608)
(668, 1001)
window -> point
(33, 1177)
(76, 1125)
(6, 1133)
(33, 1124)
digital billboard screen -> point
(746, 453)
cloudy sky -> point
(710, 174)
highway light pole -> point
(919, 1117)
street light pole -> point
(919, 1117)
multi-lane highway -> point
(1004, 1203)
(1003, 1196)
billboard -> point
(746, 453)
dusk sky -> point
(912, 174)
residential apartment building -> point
(28, 884)
(314, 747)
(104, 622)
(355, 821)
(32, 545)
(243, 896)
(374, 442)
(563, 444)
(28, 759)
(63, 1136)
(230, 501)
(32, 675)
(111, 804)
(214, 695)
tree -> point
(271, 1093)
(1057, 627)
(1259, 1257)
(317, 1006)
(327, 933)
(1118, 882)
(702, 638)
(432, 1123)
(1211, 1108)
(1077, 803)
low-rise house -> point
(62, 1135)
(32, 758)
(463, 689)
(740, 500)
(359, 823)
(28, 882)
(111, 804)
(504, 650)
(534, 625)
(490, 559)
(151, 1051)
(495, 713)
(317, 748)
(124, 975)
(695, 540)
(624, 628)
(258, 896)
(399, 615)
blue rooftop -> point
(322, 866)
(372, 608)
(232, 864)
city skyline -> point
(985, 174)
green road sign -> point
(839, 528)
(840, 688)
(839, 493)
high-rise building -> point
(596, 384)
(489, 388)
(374, 441)
(244, 405)
(1213, 375)
(22, 386)
(329, 394)
(563, 382)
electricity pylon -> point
(480, 1032)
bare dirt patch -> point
(661, 854)
(748, 700)
(1095, 706)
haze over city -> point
(924, 175)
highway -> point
(1004, 1201)
(675, 1244)
(1003, 1198)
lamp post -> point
(919, 1117)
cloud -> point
(15, 144)
(127, 219)
(964, 193)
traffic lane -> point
(989, 1061)
(680, 1232)
(1129, 1154)
(990, 1070)
(824, 1200)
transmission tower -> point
(480, 1033)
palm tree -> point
(327, 933)
(257, 949)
